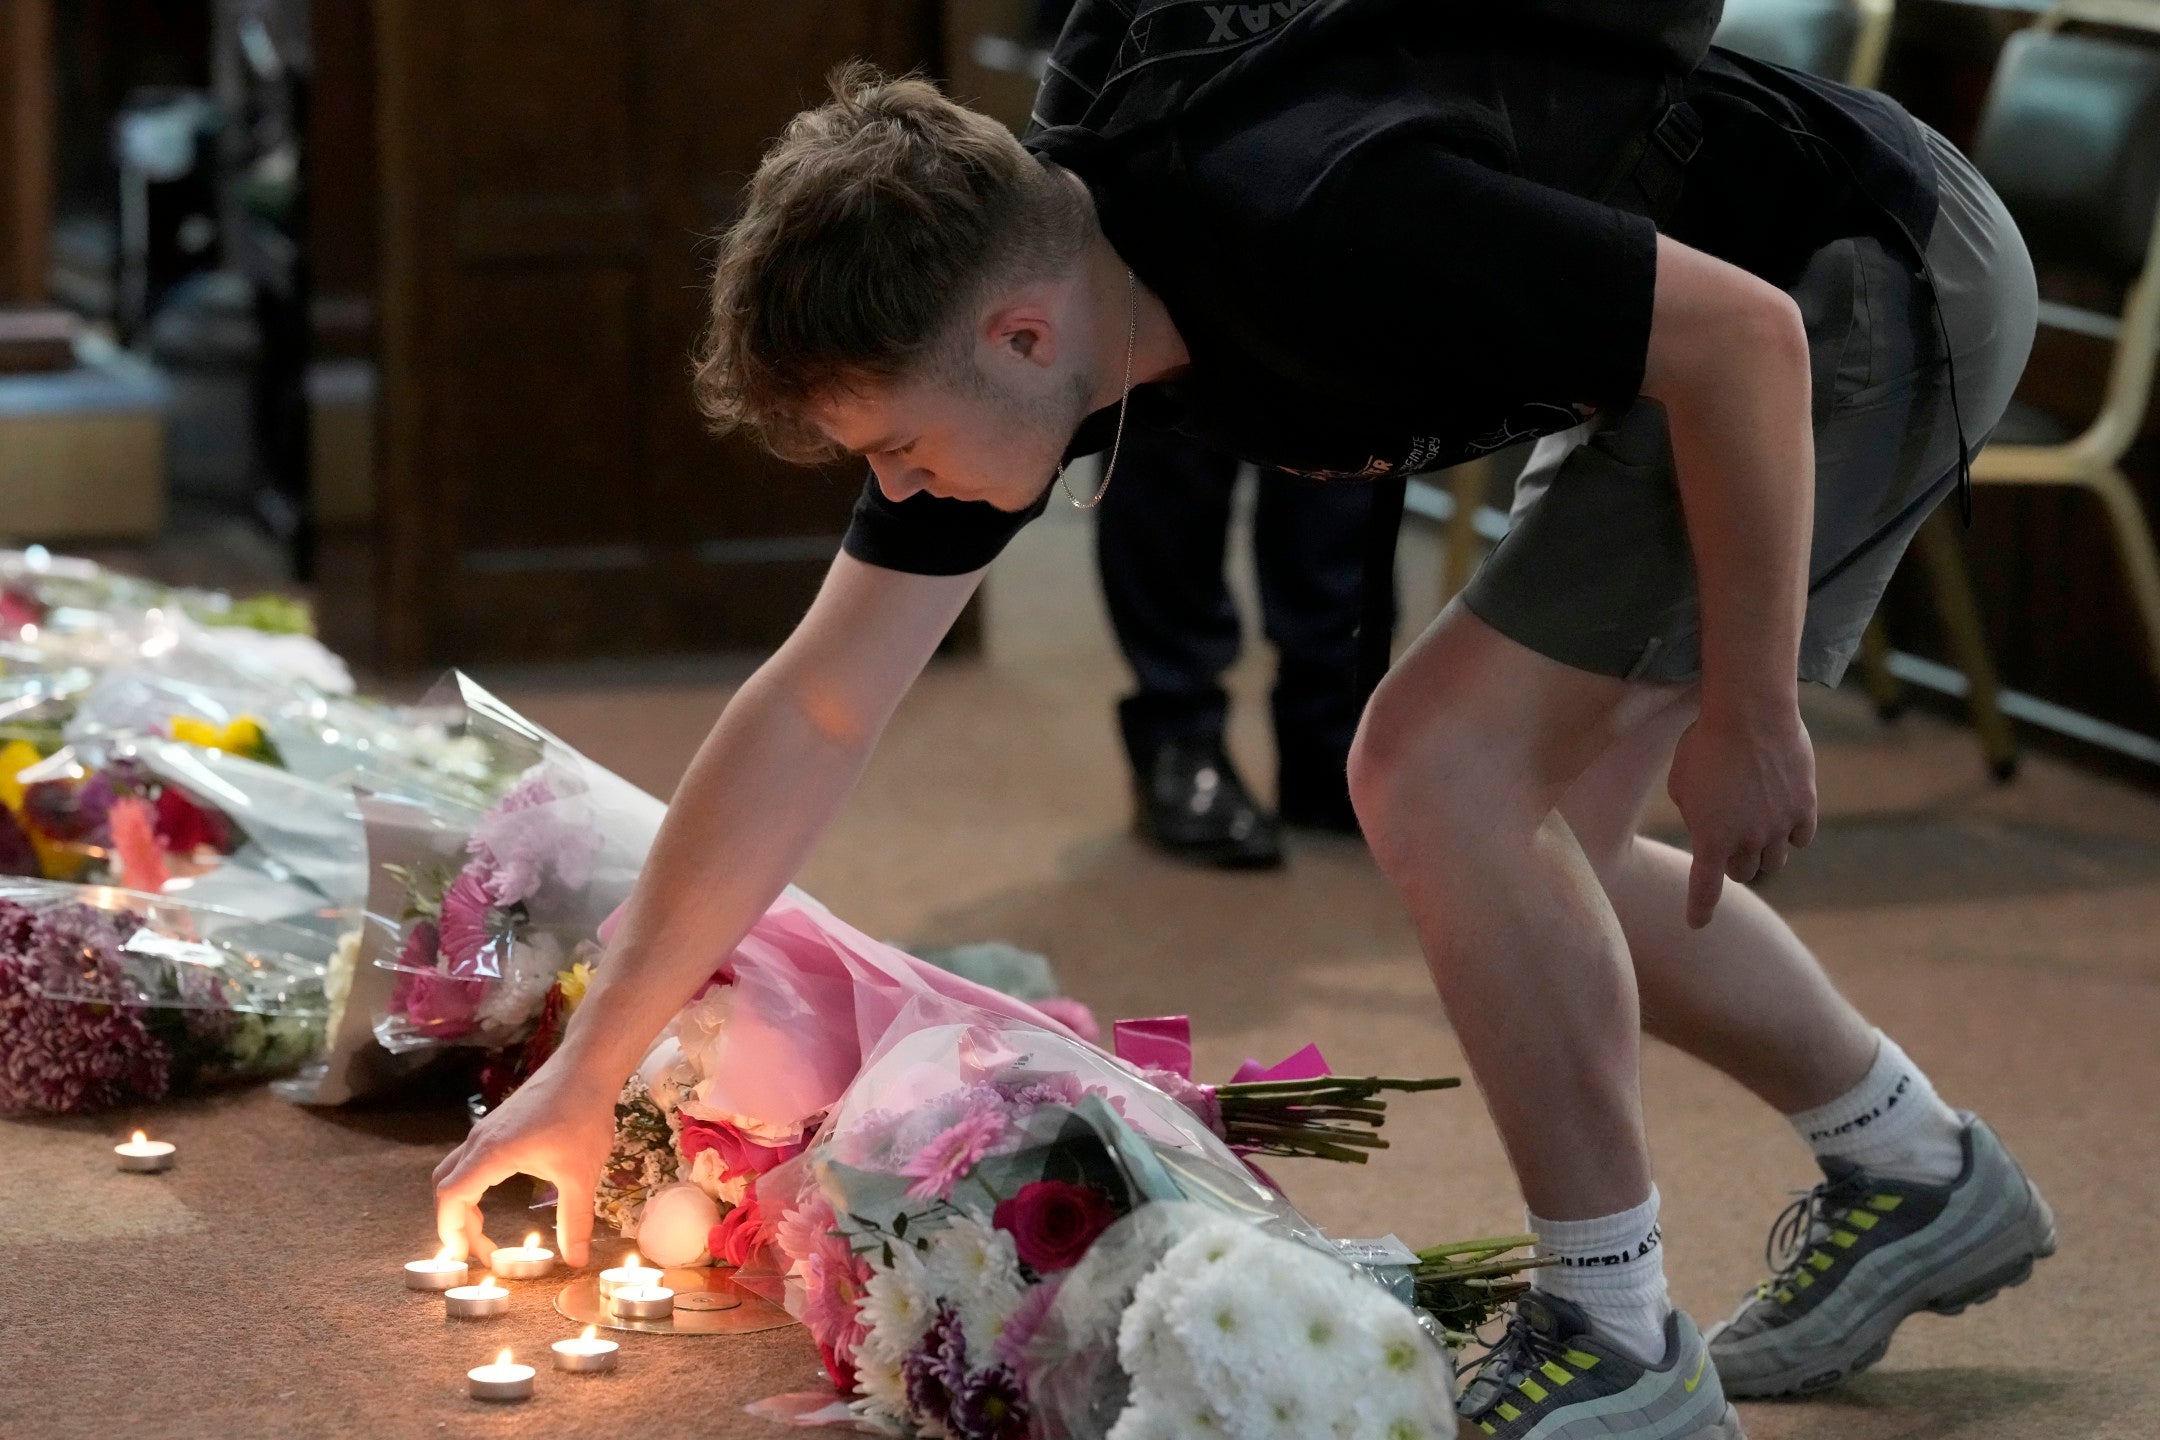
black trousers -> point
(1163, 529)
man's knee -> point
(1428, 776)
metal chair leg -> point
(1884, 688)
(1469, 485)
(2134, 541)
(1960, 613)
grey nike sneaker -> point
(1857, 1254)
(1552, 1378)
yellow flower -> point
(244, 737)
(573, 982)
(15, 757)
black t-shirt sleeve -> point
(929, 535)
(1431, 275)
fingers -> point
(457, 1201)
(1774, 856)
(1706, 881)
(1803, 834)
(573, 1222)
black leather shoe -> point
(1193, 805)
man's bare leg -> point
(1463, 757)
(1743, 994)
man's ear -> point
(1023, 328)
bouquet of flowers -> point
(109, 997)
(735, 1086)
(1001, 1231)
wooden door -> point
(551, 174)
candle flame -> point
(503, 1359)
(532, 1241)
(590, 1332)
(445, 1255)
(635, 1263)
(139, 1138)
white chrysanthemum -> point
(968, 1256)
(514, 998)
(883, 1387)
(897, 1306)
(1277, 1342)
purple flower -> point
(70, 1055)
(946, 1160)
(526, 836)
(990, 1407)
(17, 855)
(936, 1369)
(1060, 1089)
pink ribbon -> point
(1161, 1043)
(1165, 1043)
(1307, 1064)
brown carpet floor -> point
(2003, 934)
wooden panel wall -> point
(26, 149)
(550, 173)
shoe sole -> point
(1977, 1279)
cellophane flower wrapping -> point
(737, 1083)
(109, 998)
(1001, 1231)
(481, 913)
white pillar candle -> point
(643, 1302)
(476, 1302)
(530, 1261)
(635, 1272)
(145, 1157)
(503, 1380)
(440, 1273)
(588, 1354)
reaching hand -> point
(1746, 788)
(557, 1127)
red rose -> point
(837, 1366)
(1053, 1222)
(184, 825)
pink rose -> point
(1053, 1222)
(735, 1239)
(739, 1154)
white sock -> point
(1614, 1268)
(1892, 1123)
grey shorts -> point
(1595, 570)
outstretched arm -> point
(768, 780)
(1728, 359)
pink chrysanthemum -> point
(530, 834)
(946, 1160)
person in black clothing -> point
(1160, 549)
(1754, 321)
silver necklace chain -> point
(1132, 334)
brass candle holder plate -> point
(707, 1302)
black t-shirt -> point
(1373, 275)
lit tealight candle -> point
(475, 1302)
(529, 1261)
(634, 1273)
(145, 1157)
(643, 1302)
(503, 1380)
(440, 1273)
(588, 1354)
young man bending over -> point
(1349, 238)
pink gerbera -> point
(465, 930)
(946, 1160)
